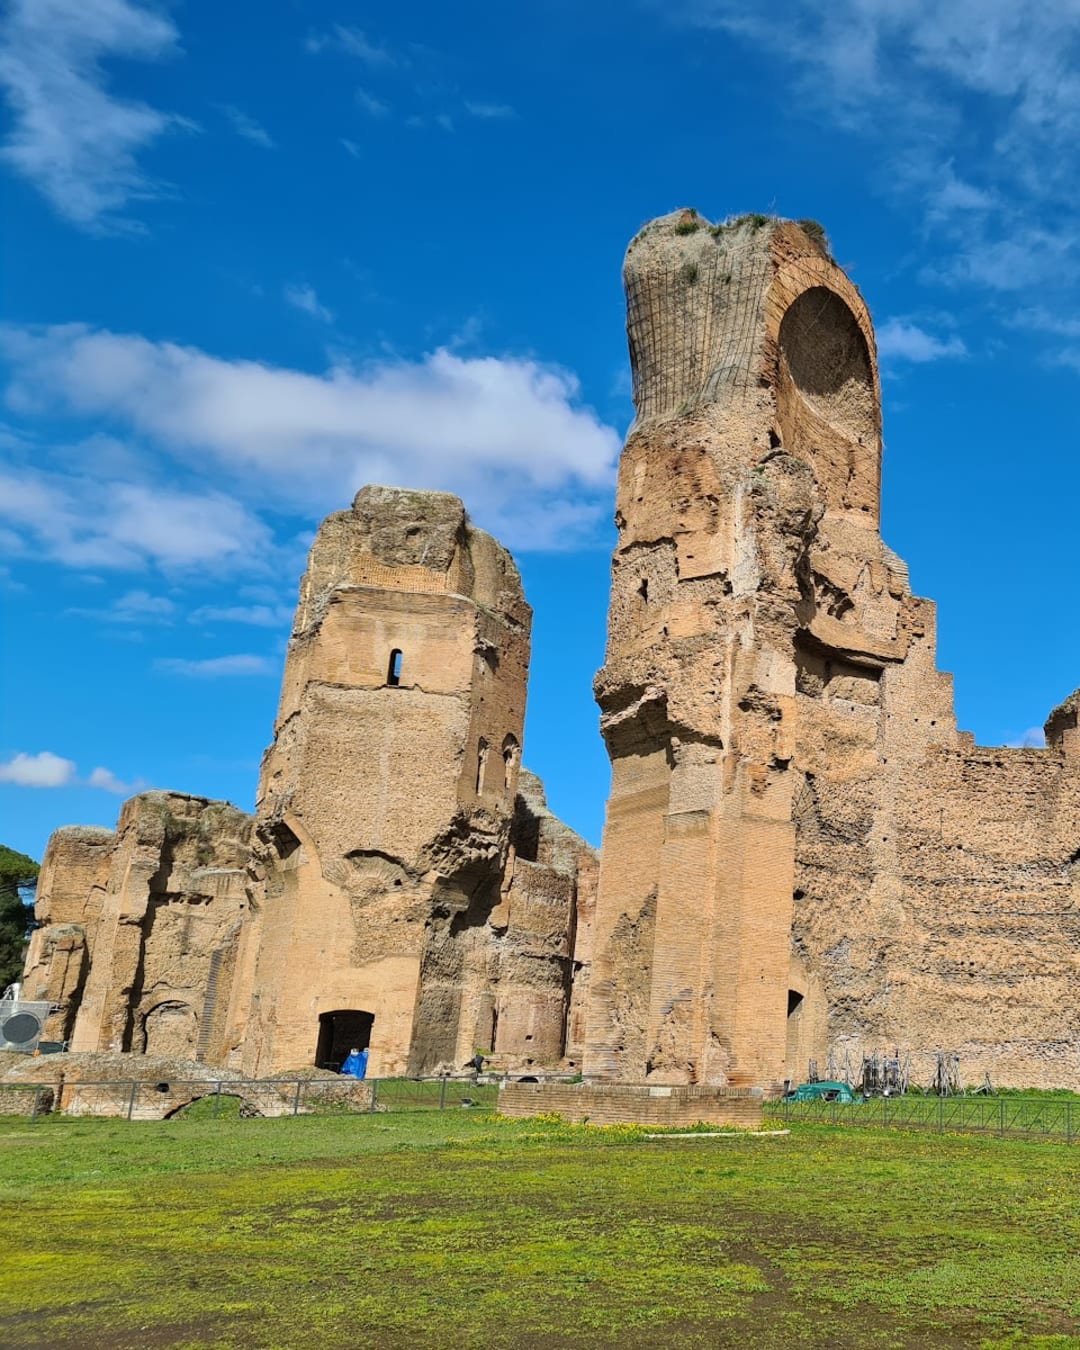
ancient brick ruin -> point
(402, 884)
(803, 857)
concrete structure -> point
(402, 885)
(803, 857)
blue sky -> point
(259, 254)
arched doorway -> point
(340, 1031)
(171, 1029)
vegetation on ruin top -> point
(457, 1229)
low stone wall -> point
(634, 1104)
(36, 1100)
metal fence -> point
(1045, 1117)
(201, 1098)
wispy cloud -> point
(109, 782)
(305, 299)
(993, 85)
(218, 667)
(43, 770)
(374, 107)
(490, 111)
(1033, 738)
(903, 340)
(77, 142)
(353, 42)
(509, 434)
(248, 128)
(259, 616)
(132, 608)
(88, 522)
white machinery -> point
(21, 1021)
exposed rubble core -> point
(402, 884)
(140, 927)
(803, 857)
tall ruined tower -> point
(756, 445)
(386, 799)
(803, 857)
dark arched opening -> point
(828, 401)
(393, 668)
(340, 1031)
(510, 752)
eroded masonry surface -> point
(803, 858)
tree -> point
(17, 874)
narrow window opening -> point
(794, 1001)
(509, 754)
(393, 670)
(481, 760)
(643, 589)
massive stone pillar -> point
(387, 797)
(757, 439)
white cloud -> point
(216, 666)
(134, 607)
(305, 299)
(902, 340)
(508, 434)
(84, 522)
(490, 111)
(353, 42)
(374, 107)
(109, 782)
(260, 616)
(993, 85)
(1040, 319)
(43, 770)
(74, 140)
(1033, 738)
(248, 128)
(350, 147)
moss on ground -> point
(457, 1229)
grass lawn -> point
(457, 1229)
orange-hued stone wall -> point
(803, 858)
(634, 1104)
(402, 882)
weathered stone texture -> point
(386, 799)
(397, 886)
(803, 857)
(634, 1104)
(163, 903)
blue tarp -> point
(356, 1065)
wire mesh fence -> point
(213, 1098)
(1046, 1117)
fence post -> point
(131, 1100)
(374, 1092)
(442, 1093)
(35, 1112)
(217, 1099)
(1001, 1117)
(296, 1098)
(941, 1115)
(1068, 1122)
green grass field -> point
(457, 1229)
